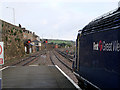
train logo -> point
(106, 46)
(100, 45)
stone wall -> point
(12, 36)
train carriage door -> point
(76, 55)
(77, 52)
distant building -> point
(34, 45)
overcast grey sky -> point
(56, 19)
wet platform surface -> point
(36, 77)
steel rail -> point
(63, 62)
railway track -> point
(69, 57)
(26, 61)
(56, 60)
(52, 60)
(32, 58)
(66, 65)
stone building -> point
(34, 45)
(16, 39)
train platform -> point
(36, 78)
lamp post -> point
(13, 13)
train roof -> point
(108, 18)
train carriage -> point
(97, 63)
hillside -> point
(56, 41)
